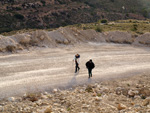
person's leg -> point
(89, 72)
(76, 68)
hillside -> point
(43, 14)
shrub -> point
(43, 2)
(98, 29)
(112, 0)
(19, 16)
(18, 8)
(145, 13)
(104, 21)
(134, 27)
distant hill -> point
(43, 14)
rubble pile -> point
(126, 95)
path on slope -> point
(45, 69)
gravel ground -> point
(46, 69)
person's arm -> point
(93, 65)
(86, 65)
(73, 59)
(78, 60)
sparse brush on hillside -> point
(24, 14)
(133, 26)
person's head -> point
(90, 60)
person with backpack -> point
(90, 65)
(76, 59)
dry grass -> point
(143, 26)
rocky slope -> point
(130, 95)
(67, 36)
(24, 14)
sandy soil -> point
(45, 69)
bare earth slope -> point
(45, 69)
(67, 36)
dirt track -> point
(45, 69)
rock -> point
(2, 104)
(39, 102)
(1, 108)
(84, 106)
(144, 91)
(45, 103)
(146, 101)
(121, 107)
(137, 97)
(98, 86)
(49, 96)
(81, 91)
(89, 89)
(62, 110)
(48, 109)
(11, 99)
(105, 90)
(120, 91)
(98, 98)
(45, 93)
(137, 106)
(94, 94)
(56, 104)
(44, 97)
(132, 93)
(55, 90)
(42, 37)
(132, 103)
(66, 41)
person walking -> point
(90, 65)
(76, 59)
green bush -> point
(112, 0)
(104, 21)
(98, 29)
(19, 16)
(145, 13)
(43, 2)
(18, 8)
(134, 27)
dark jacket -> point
(90, 65)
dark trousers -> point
(77, 68)
(90, 72)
